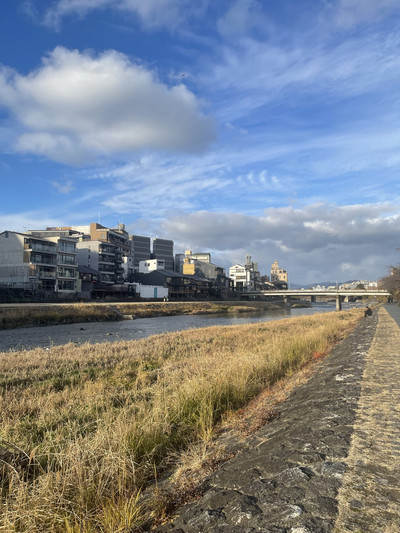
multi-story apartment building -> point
(30, 261)
(112, 259)
(164, 249)
(67, 273)
(103, 257)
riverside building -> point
(32, 262)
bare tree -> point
(392, 282)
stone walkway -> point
(330, 461)
(369, 498)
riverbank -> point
(23, 315)
(85, 429)
(328, 461)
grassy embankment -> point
(84, 429)
(20, 316)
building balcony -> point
(47, 275)
(36, 247)
(106, 268)
(67, 264)
(107, 250)
(67, 276)
(42, 261)
(42, 274)
(67, 286)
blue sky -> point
(248, 126)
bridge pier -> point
(313, 299)
(338, 302)
(286, 300)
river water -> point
(94, 332)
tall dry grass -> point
(21, 316)
(84, 429)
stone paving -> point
(330, 461)
(369, 498)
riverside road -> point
(330, 461)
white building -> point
(149, 292)
(243, 277)
(151, 264)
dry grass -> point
(43, 315)
(84, 429)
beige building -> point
(278, 273)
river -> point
(94, 332)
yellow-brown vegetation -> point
(84, 429)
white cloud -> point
(77, 106)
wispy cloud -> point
(350, 13)
(27, 220)
(242, 17)
(264, 73)
(65, 187)
(152, 14)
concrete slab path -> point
(330, 462)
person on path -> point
(368, 311)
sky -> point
(232, 127)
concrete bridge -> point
(339, 294)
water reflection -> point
(25, 338)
